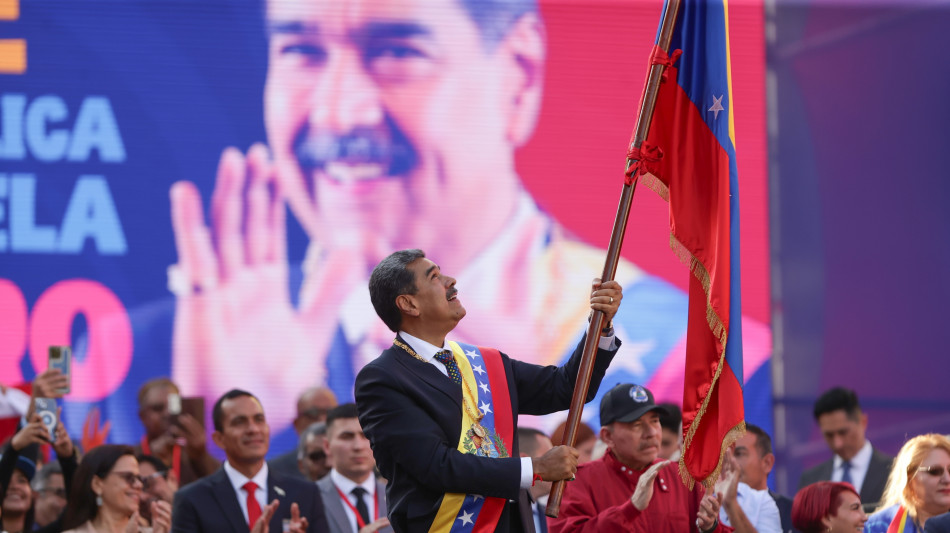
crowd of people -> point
(395, 460)
(627, 480)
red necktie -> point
(253, 508)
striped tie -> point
(445, 357)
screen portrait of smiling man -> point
(440, 414)
(244, 495)
(391, 124)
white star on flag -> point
(485, 407)
(717, 106)
(478, 369)
(471, 353)
(484, 387)
(466, 518)
(476, 497)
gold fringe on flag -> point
(718, 329)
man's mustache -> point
(385, 146)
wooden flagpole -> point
(582, 384)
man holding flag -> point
(440, 415)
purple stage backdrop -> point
(860, 225)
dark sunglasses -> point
(934, 470)
(130, 478)
(317, 456)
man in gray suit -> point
(855, 461)
(354, 499)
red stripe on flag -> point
(693, 175)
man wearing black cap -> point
(628, 489)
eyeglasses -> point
(151, 478)
(934, 470)
(59, 492)
(317, 456)
(130, 478)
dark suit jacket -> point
(938, 524)
(286, 464)
(211, 505)
(411, 413)
(336, 514)
(784, 505)
(873, 487)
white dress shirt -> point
(238, 480)
(859, 466)
(346, 486)
(759, 508)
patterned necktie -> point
(846, 472)
(361, 508)
(445, 357)
(253, 508)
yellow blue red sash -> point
(484, 372)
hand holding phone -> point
(61, 357)
(46, 408)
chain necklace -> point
(475, 413)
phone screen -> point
(61, 357)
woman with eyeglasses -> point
(106, 493)
(918, 487)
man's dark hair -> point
(156, 463)
(763, 442)
(528, 440)
(494, 18)
(217, 414)
(672, 418)
(346, 410)
(392, 278)
(838, 399)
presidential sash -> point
(485, 385)
(900, 523)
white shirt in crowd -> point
(759, 508)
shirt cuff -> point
(527, 472)
(608, 343)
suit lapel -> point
(332, 505)
(227, 500)
(428, 374)
(276, 492)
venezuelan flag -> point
(694, 128)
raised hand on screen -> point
(235, 325)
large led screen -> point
(200, 189)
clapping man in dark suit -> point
(843, 424)
(440, 415)
(235, 498)
(354, 499)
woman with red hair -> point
(828, 506)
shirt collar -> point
(346, 485)
(424, 349)
(860, 461)
(238, 479)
